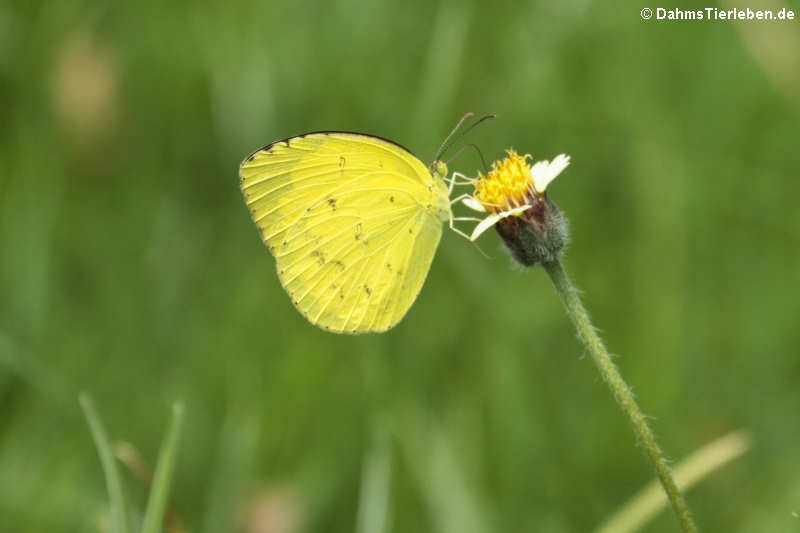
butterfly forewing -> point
(353, 222)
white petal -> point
(484, 224)
(543, 172)
(558, 164)
(473, 204)
(491, 220)
(539, 169)
(514, 211)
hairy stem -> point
(622, 393)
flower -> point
(512, 187)
(513, 193)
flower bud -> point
(537, 235)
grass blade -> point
(157, 502)
(119, 518)
(376, 477)
(635, 514)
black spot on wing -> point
(319, 255)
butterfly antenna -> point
(480, 154)
(448, 143)
(444, 143)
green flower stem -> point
(622, 393)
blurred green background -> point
(129, 267)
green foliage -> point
(158, 489)
(116, 495)
(129, 267)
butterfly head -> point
(439, 169)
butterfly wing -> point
(353, 222)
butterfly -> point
(353, 221)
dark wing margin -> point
(288, 140)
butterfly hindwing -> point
(353, 222)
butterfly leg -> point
(452, 184)
(459, 198)
(466, 180)
(455, 229)
(470, 239)
(452, 226)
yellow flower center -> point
(507, 185)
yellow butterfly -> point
(353, 221)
